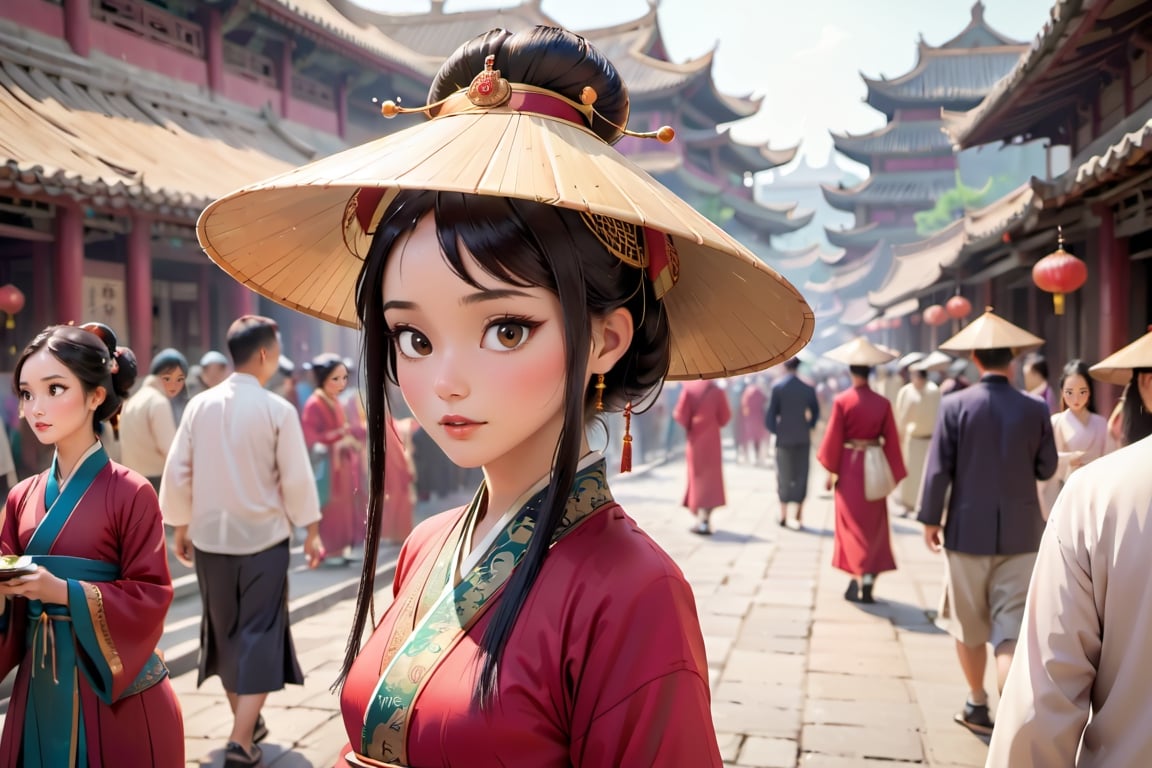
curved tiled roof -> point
(899, 137)
(735, 156)
(97, 131)
(867, 235)
(856, 278)
(909, 188)
(767, 219)
(957, 79)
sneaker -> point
(975, 718)
(260, 732)
(236, 757)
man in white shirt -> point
(237, 479)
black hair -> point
(920, 373)
(1136, 418)
(863, 371)
(994, 359)
(1037, 363)
(323, 365)
(90, 352)
(248, 335)
(1078, 368)
(792, 364)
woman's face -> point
(336, 382)
(172, 380)
(481, 369)
(1075, 393)
(53, 400)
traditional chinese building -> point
(1086, 83)
(912, 164)
(124, 118)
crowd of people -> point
(538, 624)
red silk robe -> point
(863, 542)
(702, 410)
(605, 666)
(117, 521)
(341, 523)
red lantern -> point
(11, 302)
(1059, 273)
(958, 307)
(893, 323)
(935, 315)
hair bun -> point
(104, 333)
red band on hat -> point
(550, 106)
(367, 201)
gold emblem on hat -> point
(488, 89)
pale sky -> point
(805, 57)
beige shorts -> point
(984, 596)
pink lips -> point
(458, 426)
(41, 426)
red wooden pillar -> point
(342, 108)
(43, 256)
(243, 302)
(1115, 269)
(204, 308)
(285, 77)
(68, 264)
(214, 50)
(139, 287)
(78, 25)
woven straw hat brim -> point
(935, 361)
(909, 360)
(1117, 367)
(289, 238)
(860, 351)
(990, 331)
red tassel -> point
(626, 452)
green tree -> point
(952, 205)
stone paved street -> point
(799, 676)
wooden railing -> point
(313, 91)
(249, 64)
(152, 23)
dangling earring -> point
(626, 451)
(599, 391)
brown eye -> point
(413, 344)
(505, 335)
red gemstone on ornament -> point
(484, 87)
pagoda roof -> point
(768, 219)
(906, 188)
(320, 16)
(1107, 159)
(734, 156)
(1081, 42)
(919, 267)
(956, 74)
(118, 137)
(859, 274)
(791, 259)
(867, 235)
(898, 137)
(857, 312)
(635, 47)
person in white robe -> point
(917, 405)
(1081, 434)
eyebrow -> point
(472, 298)
(44, 378)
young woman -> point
(148, 422)
(327, 429)
(1081, 434)
(860, 418)
(82, 628)
(520, 278)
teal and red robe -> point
(90, 688)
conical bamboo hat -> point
(299, 239)
(909, 360)
(935, 361)
(990, 331)
(1117, 367)
(860, 351)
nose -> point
(450, 382)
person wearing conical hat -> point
(860, 419)
(1132, 368)
(515, 275)
(990, 445)
(1078, 690)
(917, 404)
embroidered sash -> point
(454, 610)
(83, 644)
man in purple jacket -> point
(990, 446)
